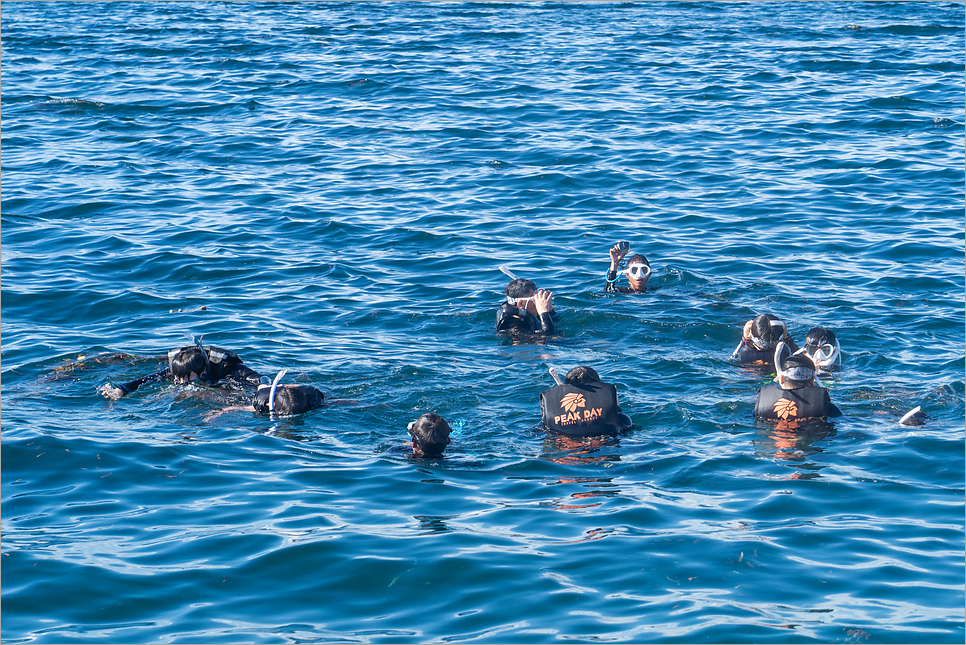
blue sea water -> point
(332, 187)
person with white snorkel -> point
(527, 309)
(795, 397)
(637, 270)
(286, 400)
(759, 338)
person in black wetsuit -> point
(583, 406)
(191, 363)
(796, 398)
(527, 309)
(759, 338)
(638, 271)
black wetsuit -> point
(514, 319)
(222, 364)
(808, 402)
(748, 354)
(583, 410)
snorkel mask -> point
(638, 271)
(796, 373)
(768, 344)
(196, 343)
(824, 354)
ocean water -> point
(332, 187)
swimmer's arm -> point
(791, 343)
(247, 374)
(232, 408)
(542, 300)
(115, 392)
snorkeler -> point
(582, 405)
(286, 399)
(637, 270)
(796, 397)
(527, 309)
(823, 348)
(191, 363)
(759, 338)
(430, 435)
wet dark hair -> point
(188, 360)
(431, 433)
(819, 336)
(520, 288)
(582, 374)
(769, 334)
(637, 258)
(797, 360)
(289, 399)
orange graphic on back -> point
(572, 401)
(785, 408)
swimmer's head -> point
(188, 364)
(519, 288)
(796, 371)
(638, 271)
(289, 399)
(430, 435)
(519, 293)
(766, 331)
(822, 346)
(582, 374)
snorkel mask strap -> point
(271, 394)
(205, 354)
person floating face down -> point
(286, 399)
(527, 309)
(796, 397)
(194, 362)
(430, 434)
(759, 338)
(638, 271)
(583, 406)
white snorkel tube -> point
(556, 377)
(797, 373)
(509, 273)
(271, 394)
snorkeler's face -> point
(637, 276)
(194, 376)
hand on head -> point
(541, 300)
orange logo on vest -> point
(572, 401)
(785, 408)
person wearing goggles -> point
(637, 270)
(192, 363)
(759, 338)
(823, 348)
(796, 397)
(527, 309)
(430, 434)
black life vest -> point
(581, 410)
(748, 355)
(807, 402)
(509, 317)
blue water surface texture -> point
(331, 188)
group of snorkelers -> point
(580, 405)
(214, 365)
